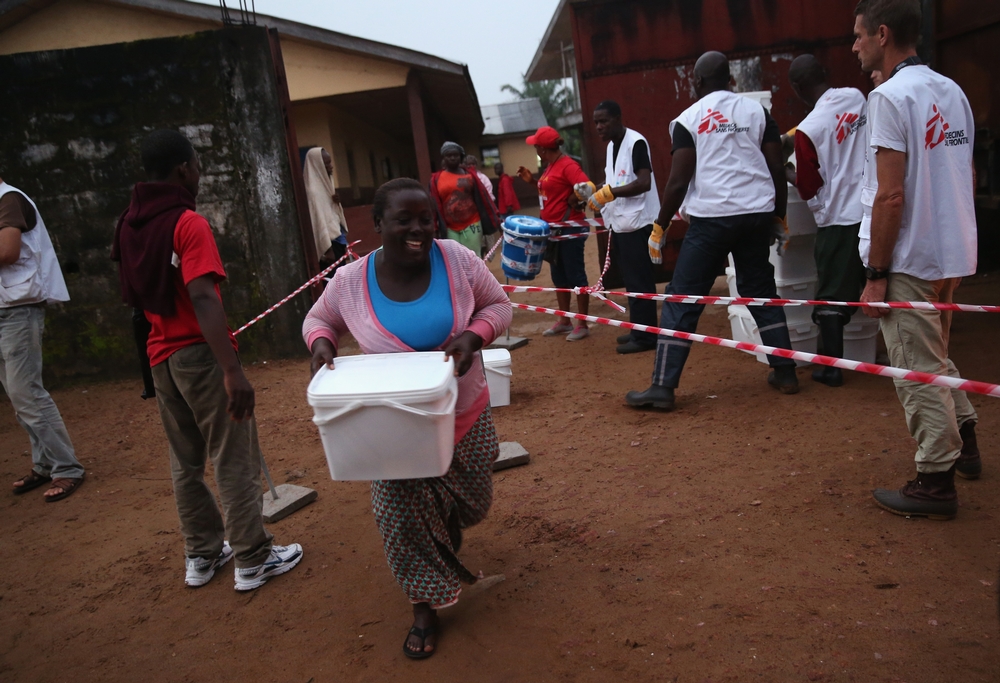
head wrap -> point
(452, 147)
(328, 221)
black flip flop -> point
(421, 633)
(30, 482)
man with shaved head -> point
(829, 163)
(727, 173)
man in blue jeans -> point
(727, 173)
(29, 279)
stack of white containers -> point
(796, 278)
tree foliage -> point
(556, 99)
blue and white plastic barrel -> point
(524, 242)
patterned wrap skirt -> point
(413, 517)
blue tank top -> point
(424, 324)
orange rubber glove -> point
(656, 243)
(600, 198)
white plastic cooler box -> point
(386, 416)
(497, 364)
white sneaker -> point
(558, 329)
(199, 571)
(578, 333)
(282, 559)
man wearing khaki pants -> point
(918, 239)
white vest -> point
(35, 277)
(836, 126)
(628, 214)
(731, 176)
(927, 116)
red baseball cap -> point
(546, 136)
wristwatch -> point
(876, 273)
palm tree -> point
(556, 99)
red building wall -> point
(640, 53)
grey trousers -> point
(918, 340)
(52, 452)
(192, 400)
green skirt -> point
(471, 237)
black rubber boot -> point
(969, 465)
(653, 397)
(931, 495)
(831, 329)
(623, 338)
(784, 379)
(632, 346)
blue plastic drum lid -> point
(526, 225)
(524, 242)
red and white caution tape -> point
(598, 222)
(311, 281)
(576, 235)
(747, 301)
(493, 249)
(956, 383)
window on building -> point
(387, 169)
(490, 156)
(371, 160)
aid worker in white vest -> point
(629, 205)
(918, 240)
(30, 278)
(727, 172)
(829, 161)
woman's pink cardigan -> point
(479, 303)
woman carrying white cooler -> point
(421, 294)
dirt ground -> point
(734, 539)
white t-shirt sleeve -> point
(887, 126)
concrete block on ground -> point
(290, 499)
(509, 343)
(512, 454)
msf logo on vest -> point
(848, 124)
(715, 122)
(938, 131)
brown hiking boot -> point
(969, 465)
(931, 495)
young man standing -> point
(629, 205)
(829, 160)
(170, 267)
(727, 172)
(29, 279)
(918, 240)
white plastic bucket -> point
(386, 416)
(861, 338)
(804, 336)
(497, 364)
(797, 260)
(799, 216)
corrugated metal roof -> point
(513, 117)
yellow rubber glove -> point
(600, 198)
(584, 191)
(656, 243)
(779, 233)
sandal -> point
(423, 634)
(32, 480)
(66, 488)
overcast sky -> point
(496, 38)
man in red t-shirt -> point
(507, 202)
(559, 203)
(170, 267)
